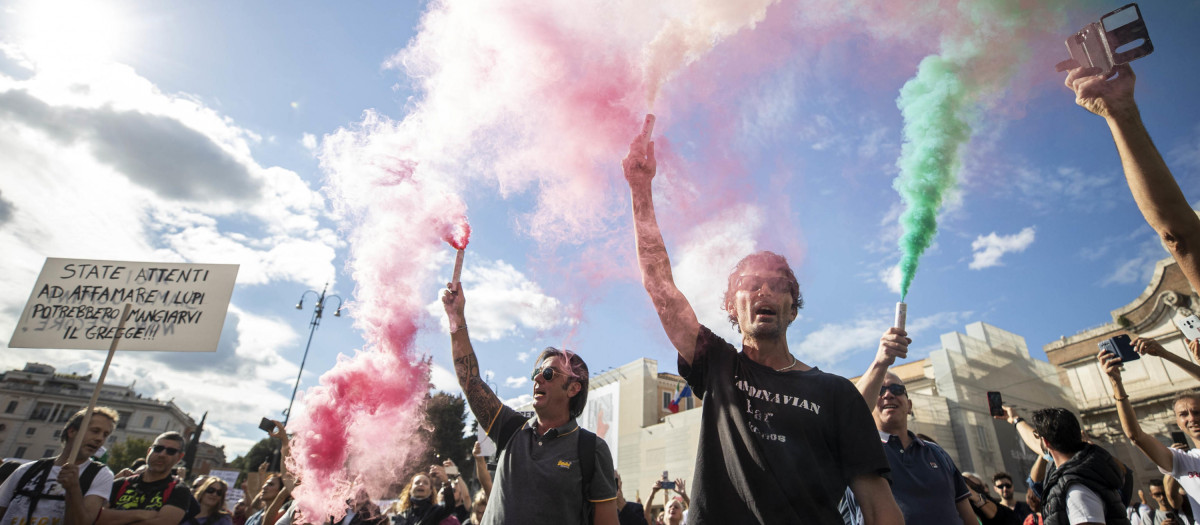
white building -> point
(36, 402)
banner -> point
(77, 303)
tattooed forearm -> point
(484, 403)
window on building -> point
(125, 417)
(666, 400)
(691, 403)
(65, 414)
(20, 453)
(30, 431)
(12, 407)
(57, 433)
(149, 421)
(48, 453)
(41, 412)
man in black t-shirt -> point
(780, 441)
(154, 496)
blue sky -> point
(1041, 236)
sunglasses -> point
(214, 490)
(1004, 486)
(547, 373)
(158, 449)
(896, 389)
(750, 283)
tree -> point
(123, 454)
(262, 451)
(446, 415)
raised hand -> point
(1111, 365)
(640, 165)
(1107, 97)
(1146, 346)
(893, 344)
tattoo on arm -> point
(484, 403)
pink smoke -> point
(540, 99)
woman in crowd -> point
(277, 494)
(477, 508)
(210, 493)
(417, 504)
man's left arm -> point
(874, 497)
(605, 513)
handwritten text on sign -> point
(77, 303)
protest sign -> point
(228, 476)
(77, 303)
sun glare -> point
(76, 32)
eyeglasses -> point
(158, 449)
(750, 283)
(546, 372)
(1004, 486)
(214, 490)
(896, 389)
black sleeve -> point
(696, 374)
(507, 423)
(859, 449)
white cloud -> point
(515, 382)
(833, 343)
(1137, 265)
(703, 262)
(890, 276)
(526, 356)
(502, 302)
(444, 380)
(519, 401)
(990, 248)
(309, 141)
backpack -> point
(41, 470)
(7, 468)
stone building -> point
(1150, 382)
(36, 402)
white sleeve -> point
(1182, 464)
(101, 484)
(10, 484)
(1083, 505)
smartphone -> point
(266, 425)
(1179, 437)
(995, 404)
(668, 485)
(1190, 326)
(1120, 346)
(452, 471)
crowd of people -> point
(780, 442)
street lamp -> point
(316, 321)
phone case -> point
(1190, 326)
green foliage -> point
(446, 417)
(123, 454)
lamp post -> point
(316, 321)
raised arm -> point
(285, 447)
(1024, 429)
(481, 471)
(1157, 452)
(893, 344)
(1154, 190)
(1147, 346)
(484, 403)
(674, 311)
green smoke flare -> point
(932, 104)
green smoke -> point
(976, 62)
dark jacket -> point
(1094, 468)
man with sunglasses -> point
(544, 474)
(780, 441)
(927, 485)
(1003, 484)
(151, 496)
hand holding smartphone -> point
(1120, 346)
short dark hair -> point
(1155, 482)
(1001, 475)
(579, 374)
(1060, 428)
(76, 420)
(767, 258)
(1186, 394)
(173, 436)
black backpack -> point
(41, 472)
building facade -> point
(1150, 382)
(36, 402)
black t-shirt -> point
(145, 495)
(775, 447)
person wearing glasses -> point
(927, 485)
(210, 493)
(1003, 484)
(780, 441)
(151, 497)
(540, 476)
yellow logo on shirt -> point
(564, 463)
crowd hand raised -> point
(278, 432)
(1111, 365)
(893, 344)
(477, 450)
(1010, 415)
(1147, 346)
(438, 473)
(640, 165)
(680, 487)
(453, 299)
(1107, 97)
